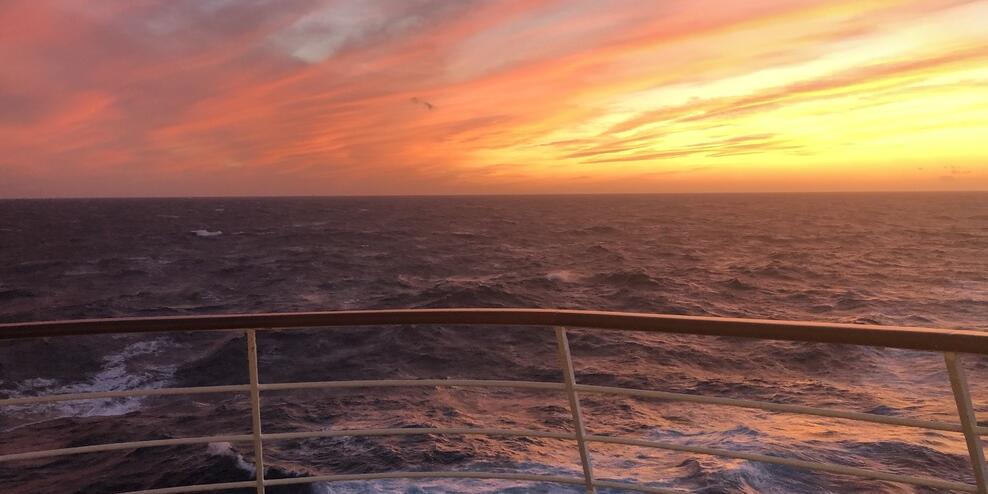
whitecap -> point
(226, 449)
(81, 271)
(564, 276)
(114, 376)
(206, 233)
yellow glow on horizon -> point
(892, 121)
(513, 96)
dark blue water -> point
(907, 259)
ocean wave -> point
(222, 364)
(594, 230)
(631, 280)
(661, 256)
(28, 267)
(115, 374)
(15, 293)
(82, 270)
(226, 449)
(564, 276)
(468, 295)
(736, 284)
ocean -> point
(912, 259)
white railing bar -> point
(775, 407)
(556, 386)
(96, 448)
(426, 475)
(555, 479)
(409, 475)
(627, 486)
(488, 383)
(566, 362)
(196, 488)
(29, 400)
(713, 400)
(807, 465)
(965, 410)
(840, 469)
(255, 410)
(411, 431)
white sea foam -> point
(84, 270)
(564, 276)
(206, 233)
(226, 449)
(471, 279)
(113, 376)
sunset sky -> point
(224, 97)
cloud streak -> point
(211, 97)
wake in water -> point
(909, 259)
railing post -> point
(566, 361)
(965, 409)
(255, 409)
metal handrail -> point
(913, 338)
(948, 342)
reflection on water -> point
(909, 259)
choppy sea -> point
(904, 259)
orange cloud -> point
(389, 96)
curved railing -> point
(948, 342)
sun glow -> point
(512, 96)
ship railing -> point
(950, 343)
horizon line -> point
(526, 194)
